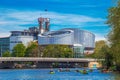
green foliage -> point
(6, 54)
(113, 68)
(115, 49)
(18, 50)
(58, 51)
(114, 34)
(98, 47)
(102, 51)
(98, 51)
(114, 23)
(32, 50)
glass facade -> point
(78, 51)
(85, 38)
(69, 36)
(4, 45)
(60, 37)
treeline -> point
(103, 51)
(33, 50)
(110, 51)
(114, 34)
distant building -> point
(4, 45)
(79, 40)
(34, 31)
(20, 37)
(23, 37)
(44, 25)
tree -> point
(114, 34)
(32, 50)
(107, 56)
(6, 54)
(19, 50)
(102, 51)
(98, 50)
(59, 51)
(98, 46)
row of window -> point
(16, 42)
(22, 35)
(56, 40)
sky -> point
(90, 15)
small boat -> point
(64, 70)
(51, 72)
(83, 71)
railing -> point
(47, 59)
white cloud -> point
(29, 16)
(99, 37)
(70, 18)
(12, 19)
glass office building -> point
(75, 37)
(4, 45)
(82, 37)
(62, 37)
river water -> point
(43, 74)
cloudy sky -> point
(89, 15)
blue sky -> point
(89, 15)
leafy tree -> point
(98, 46)
(41, 50)
(98, 50)
(102, 51)
(114, 34)
(60, 51)
(107, 56)
(32, 50)
(19, 50)
(6, 54)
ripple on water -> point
(43, 74)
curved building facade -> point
(63, 37)
(80, 40)
(82, 37)
(68, 36)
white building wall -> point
(19, 39)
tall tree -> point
(98, 49)
(102, 51)
(6, 54)
(98, 46)
(19, 50)
(107, 56)
(114, 34)
(32, 50)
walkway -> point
(47, 59)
